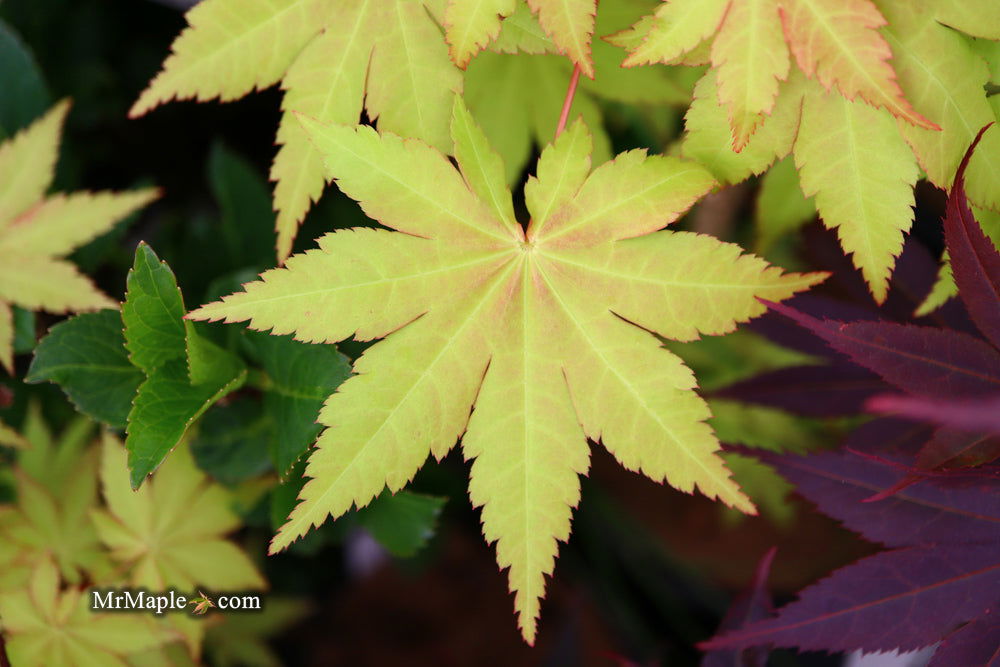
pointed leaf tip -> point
(975, 261)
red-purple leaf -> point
(897, 440)
(974, 414)
(753, 605)
(774, 326)
(974, 260)
(933, 511)
(834, 390)
(976, 644)
(920, 360)
(954, 448)
(904, 599)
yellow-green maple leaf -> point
(838, 43)
(750, 59)
(570, 24)
(834, 41)
(544, 333)
(45, 626)
(853, 159)
(939, 72)
(979, 18)
(472, 24)
(35, 231)
(333, 58)
(945, 79)
(677, 27)
(171, 531)
(56, 486)
(708, 140)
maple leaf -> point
(942, 570)
(940, 574)
(333, 59)
(202, 603)
(557, 26)
(515, 97)
(45, 626)
(945, 79)
(977, 279)
(744, 107)
(570, 23)
(944, 287)
(753, 604)
(170, 531)
(56, 485)
(35, 231)
(835, 42)
(470, 26)
(538, 330)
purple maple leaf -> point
(904, 599)
(754, 604)
(937, 511)
(975, 262)
(920, 360)
(977, 643)
(825, 390)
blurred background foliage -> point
(648, 571)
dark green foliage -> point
(86, 356)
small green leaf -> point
(301, 377)
(86, 357)
(164, 408)
(153, 312)
(185, 373)
(402, 523)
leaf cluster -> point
(928, 493)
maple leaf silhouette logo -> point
(202, 603)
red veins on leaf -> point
(929, 467)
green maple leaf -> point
(45, 626)
(544, 334)
(333, 58)
(36, 231)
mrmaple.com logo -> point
(123, 599)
